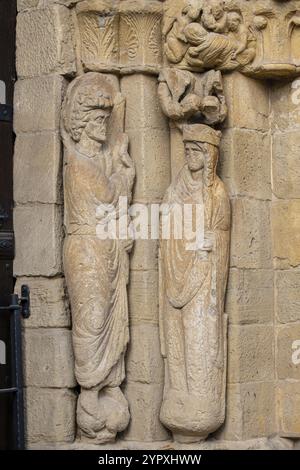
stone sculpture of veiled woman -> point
(192, 291)
(96, 270)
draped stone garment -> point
(97, 274)
(193, 327)
(209, 49)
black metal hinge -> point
(20, 304)
(6, 112)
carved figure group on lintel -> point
(209, 34)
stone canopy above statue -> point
(258, 37)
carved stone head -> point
(217, 8)
(234, 20)
(87, 107)
(201, 148)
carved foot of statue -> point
(102, 414)
(190, 417)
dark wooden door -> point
(7, 78)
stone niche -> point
(144, 344)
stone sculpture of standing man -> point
(193, 284)
(96, 270)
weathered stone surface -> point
(99, 170)
(251, 234)
(144, 255)
(50, 415)
(248, 102)
(249, 297)
(192, 286)
(188, 40)
(48, 358)
(234, 36)
(37, 103)
(23, 4)
(99, 46)
(140, 35)
(38, 233)
(250, 353)
(143, 297)
(286, 233)
(144, 404)
(49, 306)
(143, 110)
(45, 42)
(177, 151)
(250, 411)
(150, 151)
(285, 101)
(245, 163)
(26, 4)
(41, 152)
(285, 168)
(287, 299)
(287, 357)
(144, 362)
(288, 401)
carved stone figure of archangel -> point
(193, 281)
(96, 172)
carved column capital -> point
(140, 36)
(98, 26)
(120, 36)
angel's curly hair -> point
(84, 94)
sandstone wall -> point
(259, 165)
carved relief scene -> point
(167, 190)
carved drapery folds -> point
(188, 44)
(259, 37)
(207, 35)
(98, 170)
(193, 273)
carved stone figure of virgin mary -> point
(96, 269)
(193, 275)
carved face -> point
(96, 128)
(195, 155)
(217, 9)
(233, 21)
(193, 9)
